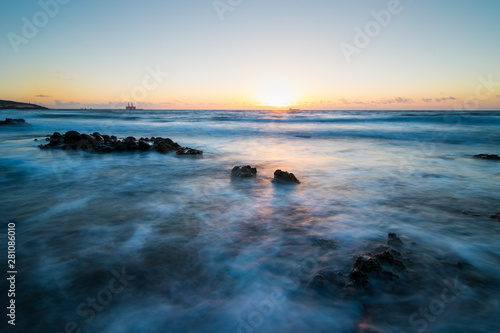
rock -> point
(98, 143)
(394, 240)
(189, 151)
(244, 172)
(285, 177)
(496, 217)
(98, 137)
(165, 145)
(327, 281)
(389, 258)
(90, 139)
(9, 121)
(143, 146)
(487, 157)
(72, 137)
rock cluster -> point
(487, 157)
(98, 143)
(9, 121)
(285, 177)
(243, 172)
(379, 265)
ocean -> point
(147, 242)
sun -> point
(278, 95)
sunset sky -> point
(259, 54)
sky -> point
(258, 54)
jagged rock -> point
(165, 145)
(394, 240)
(98, 143)
(189, 151)
(243, 172)
(327, 281)
(285, 177)
(487, 157)
(389, 258)
(9, 121)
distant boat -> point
(131, 106)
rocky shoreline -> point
(97, 143)
(13, 122)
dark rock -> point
(90, 139)
(72, 137)
(496, 217)
(130, 139)
(285, 177)
(98, 137)
(35, 140)
(189, 151)
(394, 240)
(57, 136)
(162, 145)
(367, 264)
(244, 172)
(84, 145)
(367, 267)
(327, 281)
(487, 157)
(9, 121)
(143, 146)
(389, 258)
(103, 148)
(98, 143)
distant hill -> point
(20, 106)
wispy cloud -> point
(42, 96)
(498, 96)
(439, 100)
(60, 104)
(396, 100)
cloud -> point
(498, 96)
(42, 96)
(439, 100)
(397, 100)
(66, 105)
(427, 100)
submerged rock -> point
(496, 217)
(244, 172)
(9, 121)
(487, 157)
(394, 240)
(285, 177)
(97, 143)
(189, 151)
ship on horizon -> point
(130, 106)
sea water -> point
(146, 242)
